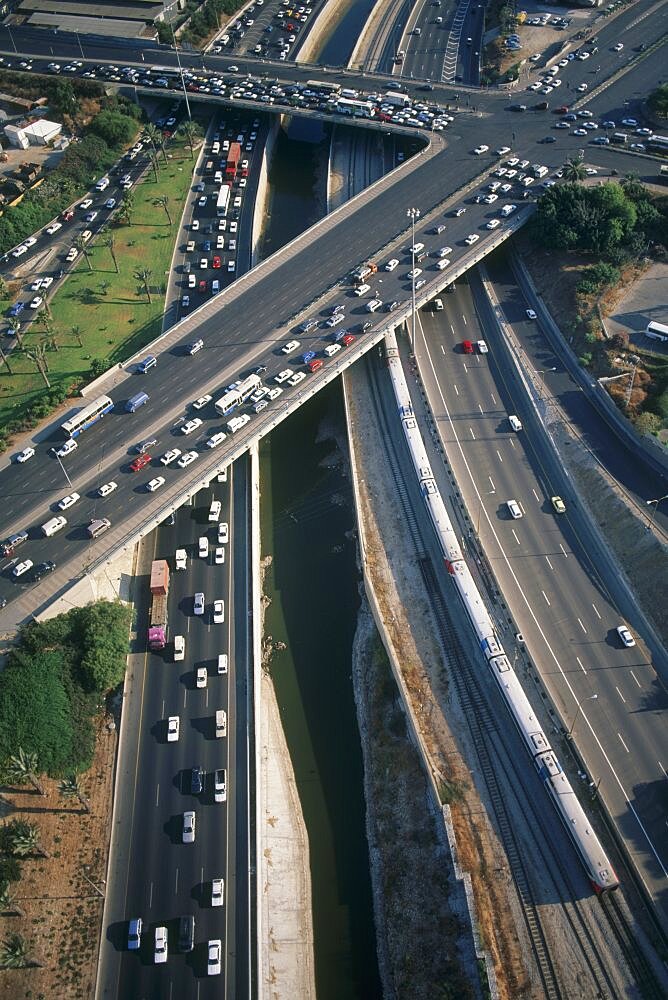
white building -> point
(38, 133)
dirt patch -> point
(61, 912)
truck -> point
(181, 558)
(157, 623)
(397, 99)
(223, 200)
(364, 271)
(233, 161)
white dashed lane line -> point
(547, 560)
(635, 679)
(581, 665)
(516, 538)
(623, 743)
(546, 598)
(563, 550)
(620, 694)
(597, 612)
(582, 626)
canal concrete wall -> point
(263, 196)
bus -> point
(87, 416)
(323, 86)
(223, 201)
(235, 397)
(657, 331)
(358, 109)
(658, 142)
(170, 73)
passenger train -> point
(594, 859)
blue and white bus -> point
(235, 397)
(87, 416)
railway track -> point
(633, 954)
(497, 757)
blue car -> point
(308, 356)
(206, 246)
(17, 308)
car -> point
(638, 147)
(189, 824)
(625, 635)
(86, 203)
(47, 282)
(274, 393)
(198, 603)
(503, 150)
(218, 612)
(68, 501)
(201, 677)
(217, 890)
(561, 125)
(530, 314)
(91, 216)
(591, 171)
(470, 240)
(110, 203)
(579, 131)
(191, 425)
(170, 456)
(231, 266)
(187, 459)
(173, 727)
(140, 462)
(160, 947)
(223, 533)
(220, 785)
(489, 199)
(581, 89)
(292, 345)
(201, 402)
(106, 489)
(219, 555)
(216, 439)
(414, 273)
(216, 262)
(479, 150)
(53, 228)
(459, 212)
(482, 347)
(296, 378)
(72, 254)
(155, 484)
(630, 122)
(558, 505)
(17, 308)
(494, 223)
(67, 448)
(196, 780)
(25, 455)
(134, 934)
(514, 509)
(214, 947)
(22, 568)
(549, 138)
(195, 347)
(233, 227)
(416, 248)
(618, 47)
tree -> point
(143, 275)
(153, 159)
(127, 207)
(15, 954)
(5, 361)
(190, 132)
(114, 127)
(70, 787)
(574, 170)
(38, 356)
(156, 138)
(110, 244)
(658, 101)
(50, 330)
(8, 904)
(26, 839)
(3, 288)
(163, 202)
(104, 287)
(82, 247)
(21, 769)
(104, 642)
(16, 332)
(76, 333)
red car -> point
(67, 215)
(140, 462)
(216, 261)
(467, 347)
(315, 364)
(347, 340)
(202, 286)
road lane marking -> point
(563, 550)
(596, 610)
(581, 666)
(635, 679)
(453, 329)
(456, 389)
(176, 882)
(150, 896)
(620, 694)
(516, 538)
(547, 560)
(481, 409)
(499, 455)
(491, 482)
(622, 742)
(157, 795)
(493, 398)
(442, 350)
(471, 432)
(582, 627)
(546, 598)
(464, 318)
(535, 494)
(663, 769)
(512, 443)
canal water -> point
(307, 517)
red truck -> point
(233, 160)
(157, 622)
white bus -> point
(358, 109)
(657, 331)
(235, 397)
(87, 416)
(223, 200)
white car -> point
(67, 448)
(482, 347)
(187, 459)
(460, 212)
(216, 439)
(218, 611)
(625, 636)
(179, 648)
(291, 346)
(201, 677)
(489, 199)
(494, 223)
(155, 484)
(220, 785)
(530, 314)
(173, 727)
(189, 822)
(69, 501)
(198, 607)
(514, 509)
(217, 891)
(191, 425)
(219, 555)
(479, 150)
(170, 456)
(24, 455)
(22, 568)
(160, 949)
(296, 378)
(503, 150)
(391, 264)
(470, 240)
(53, 228)
(414, 273)
(223, 533)
(275, 392)
(618, 47)
(86, 203)
(416, 248)
(214, 947)
(201, 402)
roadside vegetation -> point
(112, 304)
(598, 239)
(205, 19)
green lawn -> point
(111, 310)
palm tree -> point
(190, 131)
(163, 202)
(5, 361)
(26, 839)
(50, 330)
(3, 287)
(127, 207)
(14, 953)
(76, 333)
(16, 331)
(8, 904)
(142, 275)
(70, 787)
(632, 186)
(156, 138)
(153, 159)
(82, 248)
(110, 244)
(21, 768)
(574, 170)
(38, 356)
(104, 287)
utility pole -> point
(413, 214)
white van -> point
(438, 305)
(203, 546)
(179, 647)
(214, 510)
(221, 723)
(86, 235)
(218, 177)
(442, 264)
(222, 663)
(54, 525)
(102, 184)
(515, 422)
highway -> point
(160, 878)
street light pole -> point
(655, 504)
(91, 883)
(569, 734)
(413, 214)
(183, 82)
(69, 482)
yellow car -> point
(559, 505)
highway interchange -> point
(249, 335)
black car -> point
(363, 327)
(186, 933)
(260, 370)
(196, 780)
(43, 568)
